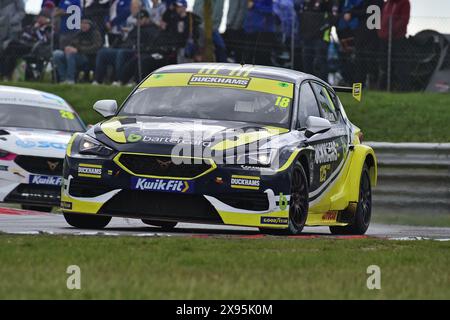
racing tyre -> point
(363, 210)
(298, 204)
(36, 208)
(86, 221)
(165, 225)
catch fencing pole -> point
(389, 62)
(52, 45)
(139, 46)
(294, 25)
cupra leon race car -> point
(35, 128)
(222, 144)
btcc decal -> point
(274, 220)
(162, 185)
(89, 170)
(238, 82)
(245, 182)
(326, 152)
(45, 180)
(66, 205)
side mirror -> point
(106, 108)
(315, 125)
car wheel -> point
(165, 225)
(363, 210)
(298, 204)
(36, 208)
(87, 221)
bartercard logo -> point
(46, 180)
(162, 185)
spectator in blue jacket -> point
(118, 15)
(65, 34)
(348, 23)
(259, 29)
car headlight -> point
(259, 158)
(90, 146)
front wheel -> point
(298, 204)
(165, 225)
(363, 214)
(87, 221)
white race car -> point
(35, 128)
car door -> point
(331, 147)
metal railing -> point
(413, 177)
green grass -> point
(185, 268)
(393, 117)
(413, 219)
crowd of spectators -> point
(122, 40)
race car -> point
(35, 128)
(225, 144)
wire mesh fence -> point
(336, 47)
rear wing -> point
(356, 90)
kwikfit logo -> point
(46, 180)
(161, 185)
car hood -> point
(144, 134)
(34, 142)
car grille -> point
(41, 165)
(253, 201)
(30, 194)
(147, 205)
(160, 166)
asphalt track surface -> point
(13, 221)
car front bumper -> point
(231, 195)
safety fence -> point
(338, 49)
(413, 178)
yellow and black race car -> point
(223, 144)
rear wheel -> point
(363, 210)
(87, 221)
(36, 208)
(165, 225)
(298, 204)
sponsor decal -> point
(274, 220)
(175, 141)
(245, 182)
(45, 180)
(162, 185)
(330, 216)
(27, 144)
(66, 205)
(236, 82)
(283, 202)
(3, 168)
(89, 170)
(326, 152)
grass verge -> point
(413, 219)
(393, 117)
(186, 268)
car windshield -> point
(39, 118)
(198, 102)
